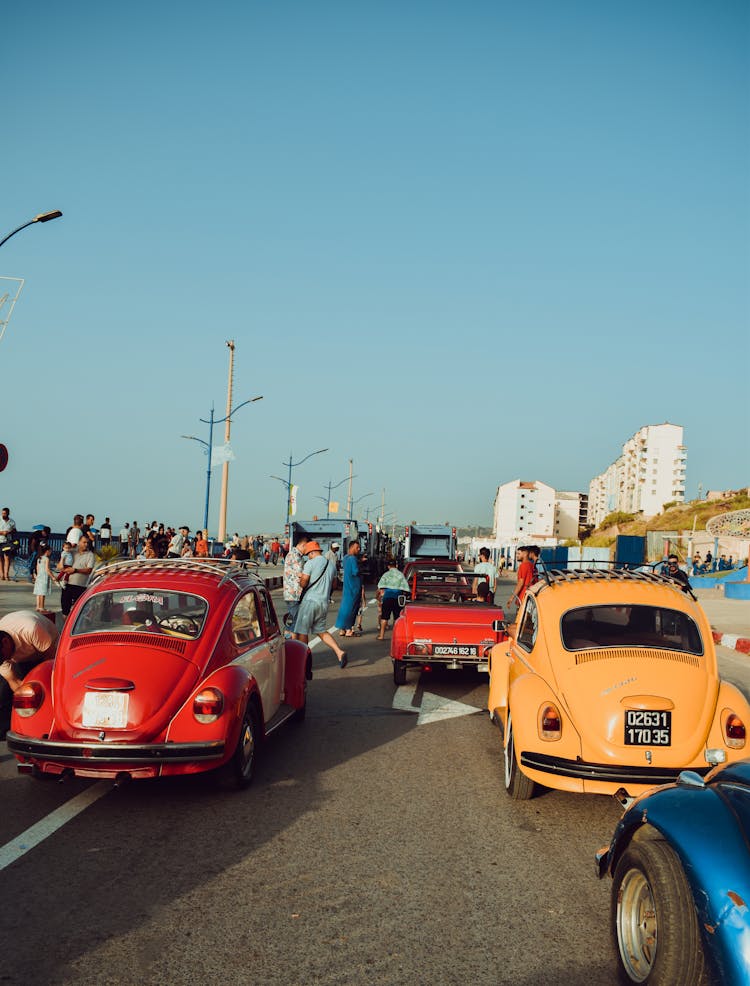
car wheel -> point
(238, 771)
(518, 785)
(399, 673)
(654, 924)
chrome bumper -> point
(143, 754)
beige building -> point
(535, 512)
(649, 473)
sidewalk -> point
(729, 619)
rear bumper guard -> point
(609, 773)
(143, 754)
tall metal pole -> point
(349, 498)
(208, 471)
(289, 502)
(225, 466)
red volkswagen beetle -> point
(163, 667)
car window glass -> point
(269, 616)
(630, 626)
(528, 628)
(245, 624)
(176, 613)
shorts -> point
(390, 607)
(311, 617)
(292, 608)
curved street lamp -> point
(208, 446)
(43, 217)
(330, 486)
(288, 483)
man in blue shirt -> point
(316, 581)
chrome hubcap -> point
(637, 936)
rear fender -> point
(528, 693)
(237, 687)
(499, 662)
(730, 699)
(41, 722)
(398, 638)
(298, 660)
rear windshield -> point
(630, 626)
(179, 614)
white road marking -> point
(433, 708)
(37, 833)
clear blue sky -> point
(460, 243)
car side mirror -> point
(499, 626)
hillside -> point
(677, 518)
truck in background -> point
(423, 541)
(327, 531)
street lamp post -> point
(208, 446)
(293, 465)
(43, 217)
(330, 486)
(363, 497)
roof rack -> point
(558, 576)
(234, 568)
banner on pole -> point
(293, 501)
(333, 507)
(221, 454)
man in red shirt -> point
(526, 556)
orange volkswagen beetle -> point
(610, 680)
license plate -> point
(105, 710)
(454, 650)
(645, 727)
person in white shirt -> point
(26, 639)
(485, 567)
(78, 573)
(177, 543)
(7, 530)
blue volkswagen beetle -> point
(680, 863)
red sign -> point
(3, 457)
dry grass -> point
(678, 518)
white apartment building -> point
(649, 473)
(533, 512)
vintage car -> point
(440, 624)
(610, 680)
(680, 865)
(163, 667)
(441, 578)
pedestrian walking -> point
(352, 595)
(392, 586)
(313, 608)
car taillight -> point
(207, 705)
(550, 723)
(28, 699)
(734, 729)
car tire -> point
(653, 920)
(238, 772)
(399, 673)
(517, 784)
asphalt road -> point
(376, 845)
